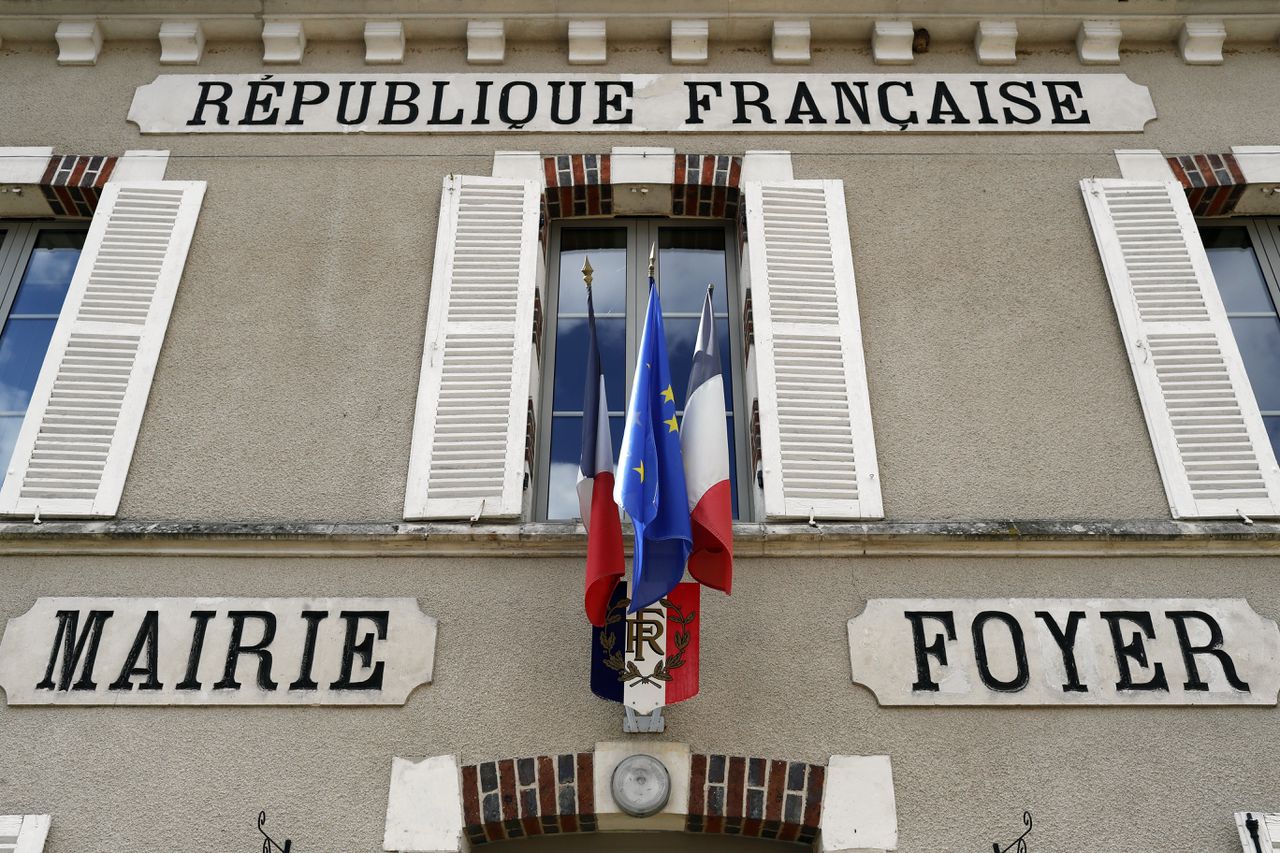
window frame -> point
(1264, 234)
(641, 233)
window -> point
(37, 261)
(1245, 256)
(689, 257)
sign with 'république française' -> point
(1065, 651)
(217, 651)
(651, 103)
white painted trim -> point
(892, 43)
(424, 807)
(283, 42)
(689, 42)
(1200, 42)
(520, 165)
(140, 165)
(790, 44)
(1260, 164)
(996, 42)
(181, 43)
(859, 810)
(1143, 164)
(1098, 43)
(23, 165)
(383, 43)
(32, 829)
(674, 756)
(486, 42)
(79, 42)
(588, 43)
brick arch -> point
(72, 183)
(753, 797)
(1214, 183)
(702, 185)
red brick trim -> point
(1214, 182)
(520, 797)
(732, 795)
(72, 183)
(704, 185)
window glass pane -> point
(1273, 430)
(688, 260)
(607, 250)
(682, 337)
(1236, 269)
(22, 348)
(1259, 341)
(9, 427)
(48, 274)
(733, 466)
(566, 450)
(571, 362)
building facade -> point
(292, 360)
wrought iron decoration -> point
(1019, 844)
(268, 843)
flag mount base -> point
(633, 723)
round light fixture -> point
(641, 785)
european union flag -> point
(650, 481)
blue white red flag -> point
(648, 659)
(650, 481)
(704, 440)
(597, 509)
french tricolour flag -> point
(598, 511)
(704, 444)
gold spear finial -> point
(587, 271)
(653, 254)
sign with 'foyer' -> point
(1064, 651)
(217, 651)
(650, 103)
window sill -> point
(1037, 537)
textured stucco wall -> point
(511, 680)
(286, 386)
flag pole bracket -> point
(633, 723)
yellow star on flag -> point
(671, 422)
(668, 395)
(641, 470)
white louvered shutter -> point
(77, 439)
(817, 449)
(1263, 827)
(1210, 442)
(23, 833)
(468, 453)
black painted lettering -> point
(305, 681)
(1033, 112)
(192, 679)
(699, 103)
(942, 97)
(236, 647)
(437, 105)
(482, 102)
(301, 100)
(409, 102)
(858, 102)
(261, 100)
(1066, 640)
(983, 104)
(78, 649)
(882, 94)
(504, 104)
(1132, 649)
(344, 97)
(935, 649)
(148, 637)
(1212, 648)
(363, 648)
(207, 99)
(1063, 103)
(759, 101)
(1022, 672)
(804, 99)
(608, 102)
(575, 88)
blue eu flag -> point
(649, 484)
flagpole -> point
(587, 272)
(653, 253)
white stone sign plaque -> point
(1056, 651)
(217, 651)
(1071, 102)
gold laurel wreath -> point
(627, 671)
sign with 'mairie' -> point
(1065, 651)
(217, 651)
(643, 103)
